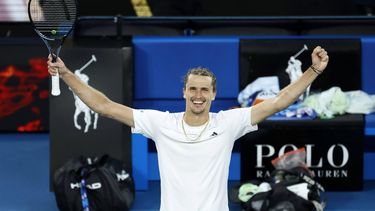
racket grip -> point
(55, 85)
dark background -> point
(270, 58)
(112, 74)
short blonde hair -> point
(202, 71)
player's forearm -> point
(94, 99)
(290, 93)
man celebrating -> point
(194, 147)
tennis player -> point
(194, 147)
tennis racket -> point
(53, 20)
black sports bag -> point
(108, 185)
(281, 198)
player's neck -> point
(195, 119)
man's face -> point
(198, 94)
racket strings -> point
(53, 18)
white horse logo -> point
(81, 107)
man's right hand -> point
(56, 67)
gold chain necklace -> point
(200, 134)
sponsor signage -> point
(333, 152)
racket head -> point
(53, 19)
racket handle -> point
(55, 85)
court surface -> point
(24, 182)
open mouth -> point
(198, 102)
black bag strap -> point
(89, 166)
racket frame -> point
(54, 45)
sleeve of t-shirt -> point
(238, 121)
(147, 122)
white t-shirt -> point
(193, 173)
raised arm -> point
(94, 99)
(289, 94)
